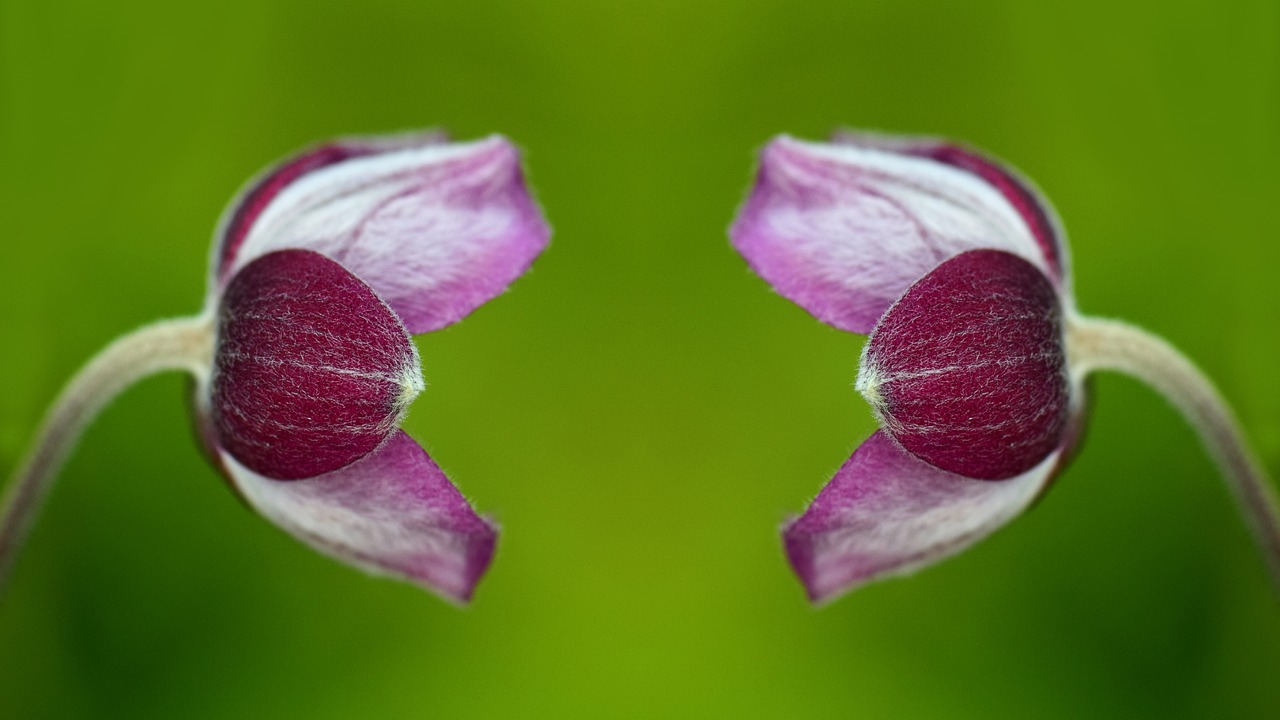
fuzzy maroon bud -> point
(967, 371)
(312, 370)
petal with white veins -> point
(257, 194)
(394, 512)
(843, 230)
(1023, 194)
(435, 229)
(887, 513)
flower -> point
(956, 268)
(323, 267)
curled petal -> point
(249, 203)
(392, 513)
(888, 513)
(843, 230)
(435, 229)
(1021, 193)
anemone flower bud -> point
(957, 269)
(312, 371)
(323, 268)
(967, 370)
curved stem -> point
(180, 344)
(1097, 344)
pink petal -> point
(844, 230)
(312, 371)
(888, 513)
(391, 513)
(1026, 198)
(435, 229)
(244, 210)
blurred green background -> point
(640, 411)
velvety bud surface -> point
(967, 369)
(312, 371)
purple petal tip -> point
(394, 512)
(887, 513)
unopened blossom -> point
(322, 270)
(957, 269)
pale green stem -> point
(1097, 344)
(179, 344)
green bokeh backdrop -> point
(639, 411)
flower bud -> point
(312, 371)
(967, 371)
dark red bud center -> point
(967, 370)
(312, 370)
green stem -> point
(179, 344)
(1097, 344)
